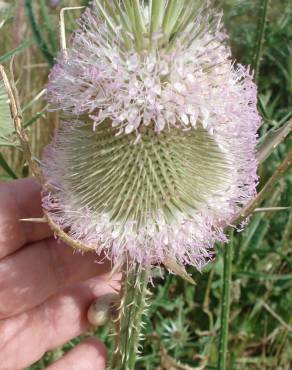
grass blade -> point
(260, 38)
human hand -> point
(45, 288)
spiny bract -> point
(157, 152)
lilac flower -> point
(157, 152)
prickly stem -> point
(129, 323)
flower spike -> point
(156, 153)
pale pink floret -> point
(195, 83)
(95, 77)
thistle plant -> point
(156, 152)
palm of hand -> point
(45, 289)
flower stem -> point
(129, 322)
(225, 305)
(260, 38)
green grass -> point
(184, 320)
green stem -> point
(260, 38)
(129, 323)
(225, 305)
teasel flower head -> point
(156, 153)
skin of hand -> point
(45, 288)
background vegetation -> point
(183, 322)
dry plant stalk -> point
(16, 115)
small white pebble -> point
(99, 311)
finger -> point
(55, 322)
(31, 275)
(89, 355)
(20, 199)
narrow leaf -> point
(178, 270)
(260, 38)
(273, 140)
